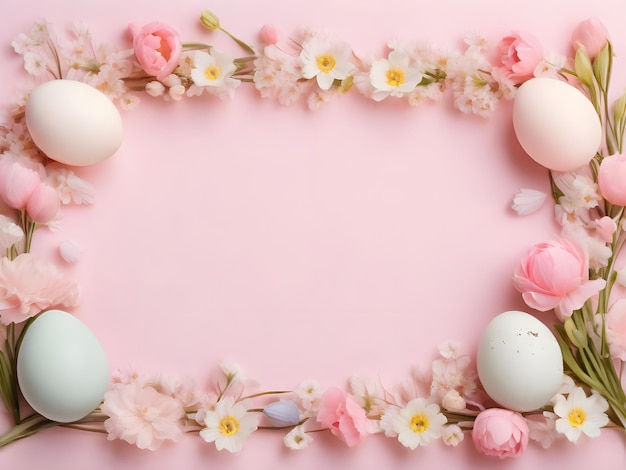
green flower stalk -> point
(210, 21)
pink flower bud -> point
(501, 433)
(269, 34)
(43, 204)
(17, 184)
(611, 177)
(157, 48)
(592, 35)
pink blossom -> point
(44, 204)
(157, 48)
(17, 184)
(29, 285)
(616, 329)
(518, 56)
(555, 274)
(611, 177)
(604, 228)
(142, 416)
(500, 433)
(339, 412)
(592, 35)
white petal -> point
(70, 251)
(527, 201)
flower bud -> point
(611, 176)
(283, 413)
(44, 204)
(210, 20)
(592, 35)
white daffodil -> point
(579, 414)
(228, 425)
(393, 76)
(214, 70)
(417, 424)
(326, 61)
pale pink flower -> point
(10, 233)
(501, 433)
(453, 380)
(29, 284)
(592, 35)
(17, 184)
(342, 415)
(70, 187)
(277, 76)
(615, 323)
(555, 275)
(604, 228)
(309, 393)
(369, 394)
(541, 429)
(452, 435)
(157, 48)
(142, 416)
(416, 385)
(44, 204)
(527, 201)
(518, 55)
(611, 177)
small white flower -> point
(10, 233)
(527, 201)
(393, 76)
(541, 429)
(309, 394)
(325, 61)
(176, 92)
(369, 394)
(417, 424)
(155, 88)
(297, 439)
(214, 70)
(452, 435)
(228, 425)
(579, 414)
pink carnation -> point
(29, 285)
(555, 275)
(518, 56)
(500, 433)
(142, 416)
(339, 412)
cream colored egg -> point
(519, 362)
(556, 124)
(73, 123)
(61, 368)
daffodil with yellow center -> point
(325, 61)
(417, 424)
(228, 425)
(393, 76)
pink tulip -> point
(555, 275)
(592, 35)
(44, 204)
(611, 178)
(500, 433)
(339, 412)
(616, 329)
(157, 48)
(17, 184)
(519, 55)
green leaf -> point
(583, 68)
(602, 66)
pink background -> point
(351, 240)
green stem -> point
(29, 426)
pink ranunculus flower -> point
(29, 284)
(157, 48)
(592, 35)
(611, 178)
(555, 275)
(518, 56)
(142, 416)
(339, 412)
(44, 204)
(500, 433)
(17, 184)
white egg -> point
(556, 124)
(73, 123)
(519, 362)
(61, 367)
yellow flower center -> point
(229, 426)
(326, 63)
(212, 73)
(395, 77)
(577, 417)
(419, 423)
